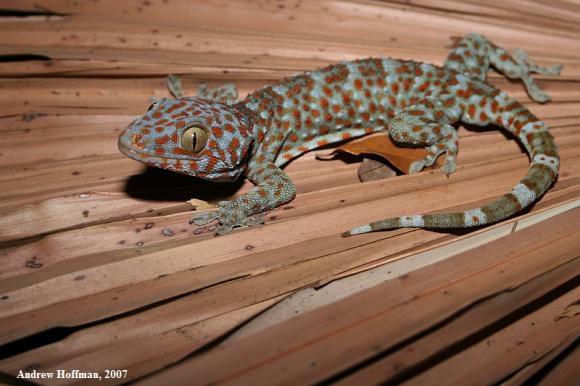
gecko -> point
(214, 137)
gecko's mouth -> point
(135, 150)
(128, 147)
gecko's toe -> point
(254, 220)
(203, 218)
(417, 166)
(223, 229)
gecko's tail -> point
(543, 170)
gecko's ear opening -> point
(194, 139)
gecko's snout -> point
(130, 142)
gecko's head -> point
(192, 136)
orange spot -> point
(424, 86)
(471, 110)
(322, 143)
(346, 135)
(162, 140)
(234, 144)
(358, 84)
(287, 156)
(518, 127)
(217, 132)
(395, 88)
(365, 116)
(483, 116)
(336, 108)
(229, 127)
(293, 137)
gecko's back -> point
(349, 99)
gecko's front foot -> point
(228, 216)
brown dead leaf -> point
(381, 145)
(371, 170)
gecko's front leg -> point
(273, 188)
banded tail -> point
(543, 170)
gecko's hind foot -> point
(523, 59)
(527, 67)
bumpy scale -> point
(215, 138)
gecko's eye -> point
(194, 139)
(152, 106)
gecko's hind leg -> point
(474, 54)
(227, 93)
(427, 123)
